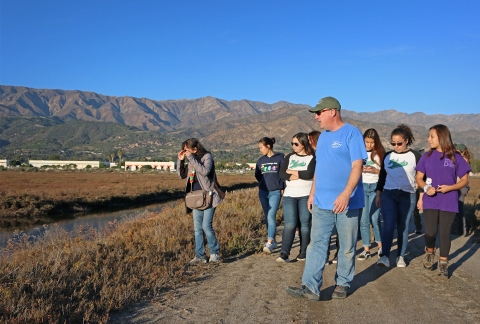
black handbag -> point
(200, 199)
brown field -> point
(38, 197)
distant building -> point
(4, 163)
(79, 164)
(134, 165)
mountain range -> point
(42, 120)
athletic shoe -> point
(214, 258)
(364, 255)
(340, 292)
(429, 259)
(401, 262)
(283, 257)
(302, 291)
(302, 257)
(379, 252)
(269, 247)
(443, 268)
(383, 262)
(196, 261)
(418, 231)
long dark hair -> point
(267, 142)
(445, 141)
(313, 136)
(192, 143)
(465, 153)
(303, 139)
(378, 149)
(404, 131)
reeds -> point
(61, 279)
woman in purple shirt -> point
(437, 173)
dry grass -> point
(472, 203)
(39, 197)
(62, 279)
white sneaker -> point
(214, 258)
(196, 260)
(379, 252)
(383, 262)
(269, 247)
(401, 262)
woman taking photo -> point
(440, 167)
(396, 193)
(201, 174)
(370, 213)
(267, 173)
(297, 169)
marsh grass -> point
(57, 278)
(42, 197)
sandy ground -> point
(252, 290)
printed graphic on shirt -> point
(294, 164)
(448, 163)
(336, 144)
(393, 164)
(269, 167)
(369, 163)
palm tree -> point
(112, 157)
(120, 154)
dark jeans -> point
(434, 219)
(460, 224)
(296, 214)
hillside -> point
(36, 123)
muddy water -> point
(72, 225)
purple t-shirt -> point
(442, 172)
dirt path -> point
(252, 290)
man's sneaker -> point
(379, 252)
(429, 259)
(418, 231)
(214, 258)
(443, 268)
(383, 262)
(302, 291)
(364, 255)
(196, 260)
(340, 292)
(283, 257)
(269, 247)
(302, 257)
(401, 262)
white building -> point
(4, 163)
(134, 165)
(79, 164)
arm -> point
(381, 182)
(181, 167)
(420, 202)
(311, 196)
(202, 167)
(283, 169)
(459, 185)
(341, 203)
(420, 179)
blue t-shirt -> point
(336, 151)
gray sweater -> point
(203, 168)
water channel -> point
(96, 220)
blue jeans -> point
(295, 213)
(397, 209)
(202, 223)
(270, 201)
(323, 221)
(370, 215)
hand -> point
(341, 203)
(181, 155)
(420, 204)
(310, 203)
(289, 171)
(431, 191)
(443, 189)
(377, 199)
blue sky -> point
(372, 55)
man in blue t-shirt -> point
(336, 200)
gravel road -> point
(252, 290)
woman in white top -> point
(371, 213)
(297, 169)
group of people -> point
(345, 181)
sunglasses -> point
(294, 144)
(396, 144)
(318, 113)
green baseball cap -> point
(460, 147)
(327, 102)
